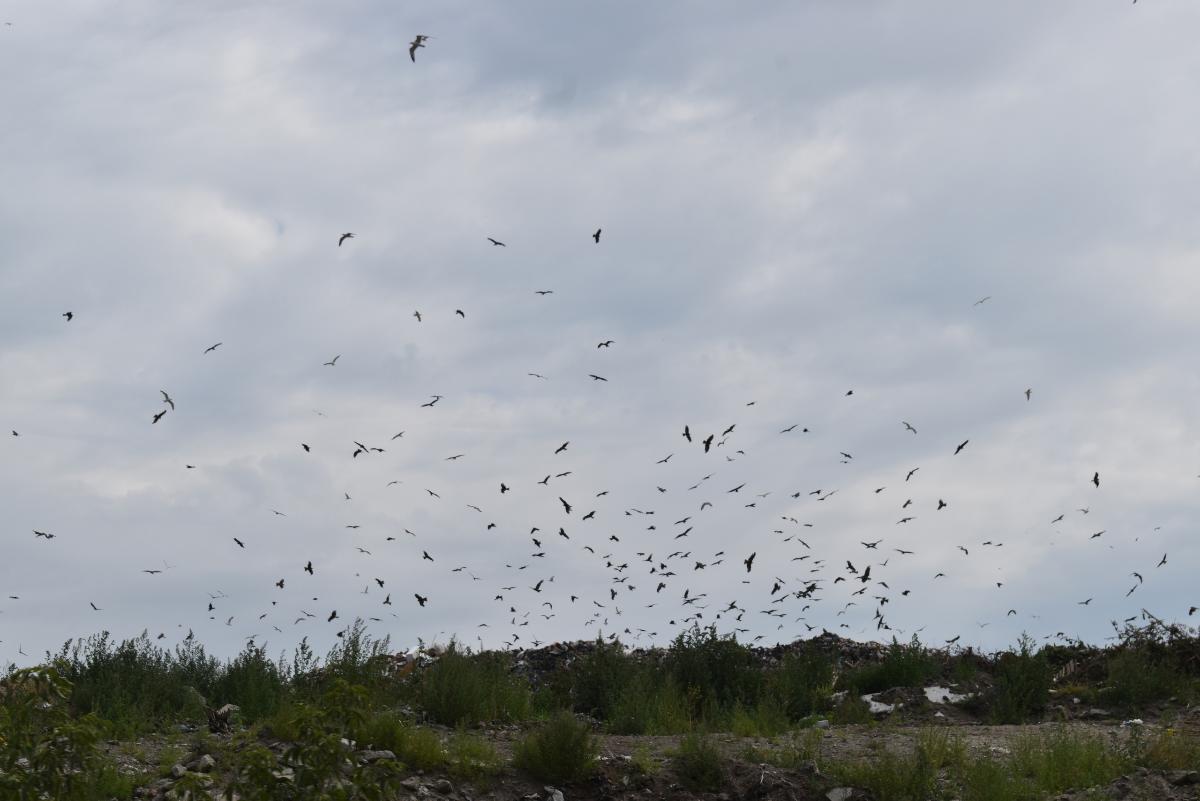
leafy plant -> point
(563, 750)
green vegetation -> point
(1022, 687)
(468, 689)
(562, 750)
(699, 764)
(902, 666)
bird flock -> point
(652, 551)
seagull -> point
(596, 236)
(908, 426)
(344, 237)
(606, 343)
(497, 242)
(983, 300)
(333, 362)
(211, 348)
(412, 53)
(436, 398)
(167, 399)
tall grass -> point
(461, 688)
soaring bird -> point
(158, 417)
(606, 343)
(211, 348)
(908, 426)
(167, 399)
(596, 236)
(1096, 479)
(421, 599)
(595, 377)
(497, 242)
(344, 237)
(962, 445)
(332, 362)
(69, 315)
(412, 53)
(562, 447)
(239, 542)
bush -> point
(1022, 687)
(1137, 678)
(464, 689)
(802, 683)
(699, 764)
(600, 678)
(903, 666)
(561, 751)
(253, 682)
(473, 759)
(650, 704)
(714, 672)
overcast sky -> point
(797, 200)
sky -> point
(829, 215)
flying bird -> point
(596, 236)
(344, 237)
(908, 426)
(421, 599)
(962, 445)
(412, 53)
(167, 399)
(69, 315)
(333, 362)
(595, 377)
(1096, 479)
(497, 242)
(158, 417)
(211, 348)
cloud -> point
(796, 201)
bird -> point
(596, 236)
(333, 362)
(983, 300)
(69, 315)
(167, 399)
(412, 53)
(1028, 393)
(436, 398)
(421, 599)
(497, 242)
(332, 616)
(417, 314)
(961, 446)
(344, 237)
(460, 313)
(543, 292)
(158, 417)
(566, 505)
(98, 609)
(606, 343)
(43, 534)
(1096, 479)
(562, 447)
(239, 542)
(211, 348)
(308, 568)
(749, 560)
(908, 426)
(595, 377)
(1162, 561)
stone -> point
(822, 724)
(1181, 778)
(178, 771)
(553, 794)
(367, 757)
(840, 794)
(443, 786)
(411, 783)
(204, 764)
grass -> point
(562, 751)
(473, 759)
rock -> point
(553, 794)
(1095, 713)
(1182, 778)
(822, 724)
(367, 757)
(840, 794)
(411, 783)
(178, 771)
(443, 786)
(203, 765)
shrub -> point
(699, 764)
(599, 679)
(473, 759)
(802, 683)
(714, 672)
(852, 709)
(1137, 678)
(461, 688)
(563, 750)
(1022, 687)
(253, 682)
(650, 704)
(902, 666)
